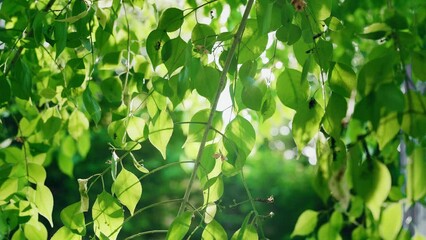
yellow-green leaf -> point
(372, 182)
(306, 123)
(135, 128)
(292, 90)
(73, 218)
(128, 189)
(161, 131)
(214, 231)
(108, 216)
(44, 202)
(77, 124)
(328, 232)
(180, 226)
(35, 231)
(416, 169)
(66, 233)
(36, 173)
(391, 221)
(306, 223)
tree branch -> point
(222, 81)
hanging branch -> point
(222, 81)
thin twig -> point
(222, 81)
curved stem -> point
(256, 213)
(222, 81)
(145, 233)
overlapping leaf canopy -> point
(350, 74)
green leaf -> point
(180, 226)
(306, 223)
(35, 231)
(252, 43)
(65, 233)
(268, 106)
(36, 173)
(207, 82)
(203, 38)
(214, 231)
(92, 106)
(391, 221)
(375, 73)
(289, 33)
(306, 123)
(44, 202)
(74, 73)
(328, 232)
(74, 18)
(135, 128)
(418, 60)
(66, 155)
(51, 127)
(292, 90)
(324, 53)
(83, 145)
(343, 79)
(73, 218)
(253, 95)
(111, 60)
(139, 166)
(5, 92)
(372, 182)
(154, 43)
(77, 124)
(414, 118)
(8, 187)
(247, 230)
(336, 220)
(388, 128)
(112, 89)
(242, 135)
(320, 8)
(48, 93)
(171, 20)
(21, 80)
(359, 233)
(60, 33)
(37, 27)
(198, 124)
(247, 73)
(334, 113)
(287, 13)
(375, 31)
(264, 15)
(161, 131)
(334, 24)
(207, 164)
(416, 169)
(173, 54)
(214, 192)
(108, 216)
(128, 189)
(117, 131)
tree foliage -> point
(349, 74)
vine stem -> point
(222, 81)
